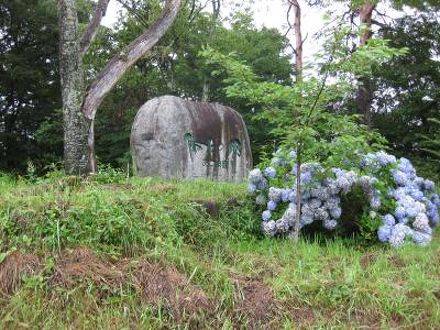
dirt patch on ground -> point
(253, 300)
(396, 261)
(367, 259)
(14, 268)
(155, 283)
(161, 285)
(81, 264)
(366, 319)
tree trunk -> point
(76, 126)
(364, 97)
(298, 42)
(80, 105)
(294, 233)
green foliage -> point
(431, 144)
(301, 115)
(408, 90)
(29, 81)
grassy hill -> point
(111, 253)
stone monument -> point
(175, 138)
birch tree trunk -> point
(294, 233)
(80, 104)
(298, 41)
(364, 96)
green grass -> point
(319, 282)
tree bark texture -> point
(80, 105)
(76, 126)
(364, 96)
(294, 233)
(298, 39)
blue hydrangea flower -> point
(322, 214)
(330, 224)
(270, 172)
(435, 199)
(411, 212)
(306, 219)
(420, 238)
(282, 226)
(428, 185)
(336, 212)
(434, 218)
(404, 220)
(271, 205)
(306, 178)
(269, 228)
(266, 215)
(384, 233)
(262, 185)
(292, 154)
(275, 194)
(315, 203)
(399, 234)
(285, 195)
(388, 220)
(416, 210)
(375, 202)
(416, 194)
(400, 178)
(255, 176)
(421, 223)
(292, 195)
(385, 159)
(400, 212)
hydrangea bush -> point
(406, 203)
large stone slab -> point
(175, 138)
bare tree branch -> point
(119, 64)
(92, 28)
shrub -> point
(398, 205)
